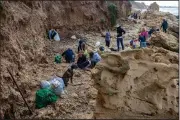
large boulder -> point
(165, 40)
(174, 28)
(153, 7)
(137, 84)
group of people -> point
(120, 32)
(86, 60)
(142, 37)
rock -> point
(77, 74)
(73, 37)
(74, 95)
(153, 7)
(92, 103)
(174, 28)
(167, 41)
(92, 92)
(144, 85)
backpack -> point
(45, 97)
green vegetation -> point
(113, 13)
(102, 20)
(1, 8)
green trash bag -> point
(45, 97)
(58, 59)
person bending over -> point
(82, 62)
(81, 46)
(95, 58)
(69, 55)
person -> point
(51, 34)
(82, 62)
(135, 16)
(164, 25)
(101, 48)
(81, 46)
(69, 55)
(143, 37)
(120, 32)
(131, 42)
(151, 31)
(95, 58)
(108, 38)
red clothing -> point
(145, 34)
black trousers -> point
(107, 43)
(164, 30)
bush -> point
(1, 8)
(102, 20)
(113, 13)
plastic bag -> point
(58, 85)
(57, 58)
(45, 97)
(56, 37)
(45, 84)
(97, 44)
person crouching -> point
(69, 55)
(83, 62)
(95, 58)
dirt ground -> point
(80, 100)
(23, 39)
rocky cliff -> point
(24, 41)
(138, 5)
(137, 84)
(153, 7)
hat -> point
(117, 25)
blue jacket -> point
(96, 57)
(108, 36)
(69, 55)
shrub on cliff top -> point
(1, 6)
(113, 13)
(102, 20)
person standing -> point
(164, 25)
(120, 32)
(143, 36)
(108, 38)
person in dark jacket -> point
(81, 46)
(69, 55)
(152, 30)
(82, 62)
(120, 32)
(164, 25)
